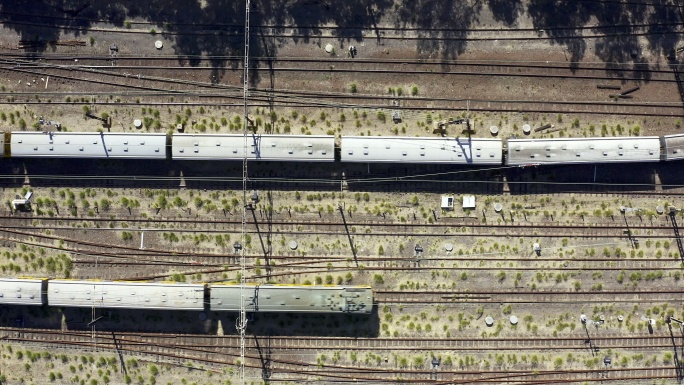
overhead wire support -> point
(242, 321)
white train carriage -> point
(23, 291)
(286, 298)
(583, 150)
(393, 149)
(673, 147)
(317, 148)
(127, 295)
(4, 136)
(87, 145)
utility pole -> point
(242, 321)
(677, 361)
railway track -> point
(263, 353)
(376, 66)
(377, 32)
(22, 232)
(344, 29)
(380, 181)
(476, 262)
(220, 351)
(474, 224)
(526, 296)
(224, 344)
(295, 98)
(120, 256)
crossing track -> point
(291, 358)
(162, 83)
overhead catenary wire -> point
(242, 322)
(308, 99)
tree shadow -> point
(620, 49)
(40, 27)
(561, 22)
(664, 28)
(351, 17)
(506, 11)
(442, 25)
(213, 29)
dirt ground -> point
(137, 40)
(133, 35)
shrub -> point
(501, 276)
(348, 277)
(382, 117)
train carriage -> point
(583, 150)
(23, 291)
(383, 149)
(87, 145)
(128, 295)
(286, 298)
(297, 148)
(673, 147)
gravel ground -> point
(457, 320)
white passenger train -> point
(182, 296)
(352, 149)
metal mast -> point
(242, 321)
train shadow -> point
(130, 320)
(436, 178)
(338, 177)
(304, 324)
(671, 175)
(98, 173)
(41, 317)
(220, 175)
(11, 173)
(194, 322)
(589, 178)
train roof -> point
(319, 148)
(583, 150)
(2, 144)
(88, 145)
(131, 295)
(15, 291)
(673, 146)
(278, 298)
(397, 149)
